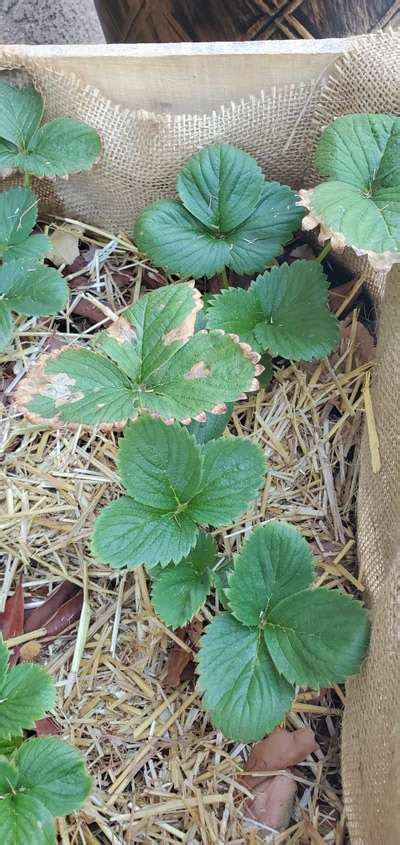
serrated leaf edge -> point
(380, 261)
(29, 388)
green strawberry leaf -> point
(26, 694)
(45, 778)
(173, 485)
(264, 234)
(24, 819)
(227, 216)
(32, 250)
(221, 186)
(360, 204)
(8, 776)
(214, 425)
(18, 213)
(33, 290)
(285, 311)
(317, 637)
(244, 693)
(274, 562)
(266, 377)
(159, 465)
(55, 149)
(127, 534)
(60, 147)
(233, 472)
(6, 325)
(148, 360)
(179, 591)
(21, 111)
(54, 773)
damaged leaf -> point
(213, 426)
(18, 214)
(32, 290)
(285, 312)
(146, 361)
(173, 485)
(56, 148)
(280, 633)
(180, 665)
(227, 215)
(359, 204)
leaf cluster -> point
(279, 633)
(227, 215)
(40, 778)
(51, 149)
(174, 485)
(359, 203)
(285, 312)
(148, 361)
(27, 286)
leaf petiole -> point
(224, 278)
(324, 252)
(27, 180)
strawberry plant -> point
(285, 312)
(279, 633)
(359, 203)
(34, 148)
(174, 485)
(227, 215)
(148, 361)
(40, 778)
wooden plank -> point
(193, 78)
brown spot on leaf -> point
(199, 370)
(122, 331)
(186, 329)
(36, 382)
(218, 409)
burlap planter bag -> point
(142, 153)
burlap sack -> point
(142, 153)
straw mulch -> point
(160, 771)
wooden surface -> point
(191, 78)
(137, 21)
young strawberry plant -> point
(51, 149)
(279, 633)
(174, 485)
(285, 312)
(359, 204)
(40, 778)
(34, 148)
(148, 361)
(227, 215)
